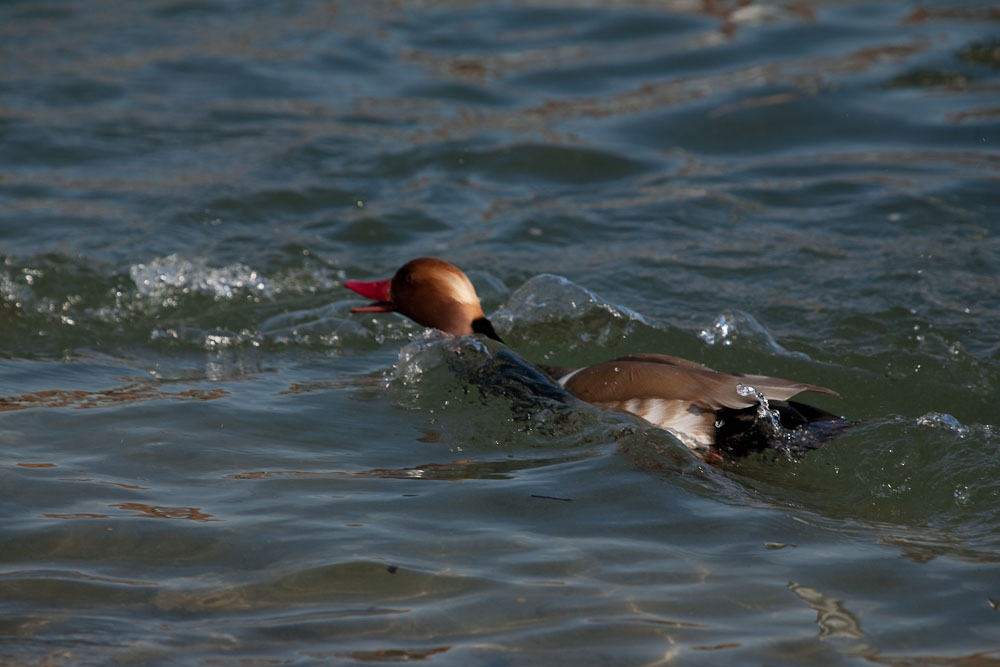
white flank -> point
(692, 426)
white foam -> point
(165, 275)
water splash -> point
(165, 276)
(466, 387)
(547, 300)
(943, 420)
(733, 326)
(722, 331)
(551, 297)
(764, 411)
(425, 351)
(16, 290)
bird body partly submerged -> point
(703, 408)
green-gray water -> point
(206, 460)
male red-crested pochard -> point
(701, 406)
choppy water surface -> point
(205, 459)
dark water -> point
(205, 459)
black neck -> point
(483, 326)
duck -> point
(707, 410)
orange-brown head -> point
(432, 293)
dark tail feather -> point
(795, 414)
(803, 427)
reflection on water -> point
(833, 620)
(104, 398)
(144, 511)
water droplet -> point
(962, 494)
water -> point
(205, 459)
